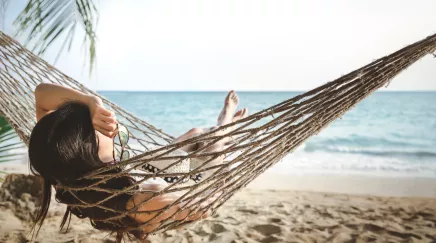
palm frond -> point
(4, 127)
(10, 145)
(6, 136)
(3, 6)
(42, 22)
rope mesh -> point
(259, 140)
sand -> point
(260, 214)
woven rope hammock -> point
(259, 140)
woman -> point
(74, 136)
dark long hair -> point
(63, 147)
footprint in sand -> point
(373, 227)
(429, 224)
(267, 229)
(218, 228)
(283, 212)
(280, 205)
(431, 237)
(425, 214)
(404, 235)
(407, 227)
(242, 210)
(275, 220)
(340, 237)
(352, 226)
(231, 220)
(271, 239)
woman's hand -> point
(103, 119)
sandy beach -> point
(274, 208)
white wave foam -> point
(320, 162)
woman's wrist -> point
(92, 100)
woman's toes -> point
(245, 112)
(229, 97)
(240, 112)
(235, 98)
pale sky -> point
(246, 45)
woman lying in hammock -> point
(75, 134)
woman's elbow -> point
(39, 87)
(39, 90)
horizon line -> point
(253, 91)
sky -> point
(250, 45)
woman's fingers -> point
(106, 132)
(107, 126)
(105, 115)
(108, 119)
(104, 111)
(103, 119)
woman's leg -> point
(191, 133)
(225, 117)
(197, 131)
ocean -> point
(388, 134)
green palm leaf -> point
(42, 22)
(3, 6)
(9, 143)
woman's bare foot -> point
(230, 104)
(240, 114)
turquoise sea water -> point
(390, 133)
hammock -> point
(259, 140)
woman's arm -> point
(159, 202)
(48, 97)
